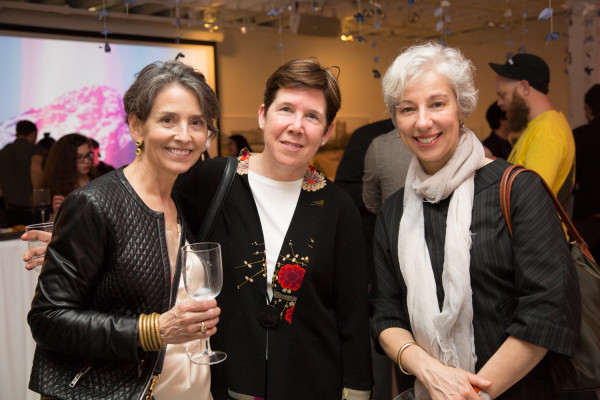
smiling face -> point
(174, 133)
(428, 120)
(294, 128)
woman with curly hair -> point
(69, 166)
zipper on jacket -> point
(80, 375)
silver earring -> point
(323, 143)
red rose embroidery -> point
(288, 314)
(290, 276)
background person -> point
(20, 172)
(295, 310)
(109, 312)
(235, 144)
(497, 141)
(456, 301)
(546, 144)
(68, 167)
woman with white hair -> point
(457, 302)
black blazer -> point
(525, 287)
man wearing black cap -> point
(546, 144)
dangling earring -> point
(202, 153)
(138, 147)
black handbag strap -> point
(218, 199)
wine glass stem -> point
(207, 349)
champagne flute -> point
(41, 201)
(203, 279)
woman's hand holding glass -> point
(33, 255)
(186, 321)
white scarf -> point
(445, 335)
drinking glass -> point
(203, 279)
(406, 395)
(45, 227)
(41, 201)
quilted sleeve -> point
(60, 317)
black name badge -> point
(268, 316)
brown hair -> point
(305, 73)
(153, 78)
(60, 169)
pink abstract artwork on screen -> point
(94, 111)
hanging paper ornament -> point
(447, 18)
(588, 39)
(359, 17)
(546, 13)
(178, 22)
(445, 3)
(588, 70)
(106, 47)
(272, 12)
(102, 14)
(376, 59)
(509, 55)
(439, 26)
(551, 36)
(442, 42)
(411, 2)
(374, 44)
(376, 74)
(105, 32)
(377, 25)
(361, 38)
(177, 40)
(438, 11)
(521, 49)
(524, 14)
(280, 47)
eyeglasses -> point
(81, 158)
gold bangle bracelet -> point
(399, 356)
(143, 340)
(155, 333)
(159, 342)
(140, 330)
(147, 333)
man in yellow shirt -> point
(546, 144)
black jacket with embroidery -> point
(321, 342)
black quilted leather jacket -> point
(107, 263)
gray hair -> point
(154, 77)
(446, 61)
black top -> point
(526, 287)
(499, 147)
(587, 182)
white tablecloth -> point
(17, 286)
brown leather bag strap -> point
(505, 188)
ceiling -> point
(423, 19)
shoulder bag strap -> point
(218, 199)
(505, 188)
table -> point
(17, 286)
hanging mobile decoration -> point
(546, 13)
(280, 47)
(177, 22)
(128, 3)
(444, 18)
(524, 30)
(360, 18)
(589, 39)
(102, 16)
(507, 23)
(377, 25)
